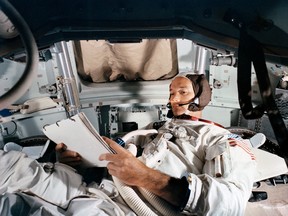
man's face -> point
(181, 92)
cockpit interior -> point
(114, 61)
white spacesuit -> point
(219, 165)
(220, 169)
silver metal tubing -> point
(70, 90)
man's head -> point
(189, 94)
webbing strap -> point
(250, 51)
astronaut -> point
(196, 165)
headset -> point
(193, 106)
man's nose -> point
(174, 98)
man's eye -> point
(183, 92)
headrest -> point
(202, 91)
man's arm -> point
(133, 172)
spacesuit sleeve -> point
(226, 193)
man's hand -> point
(68, 157)
(133, 172)
(124, 165)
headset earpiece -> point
(193, 107)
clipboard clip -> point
(45, 126)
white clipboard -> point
(79, 135)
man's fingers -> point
(113, 145)
(60, 147)
(70, 154)
(107, 156)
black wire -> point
(29, 43)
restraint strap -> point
(250, 51)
